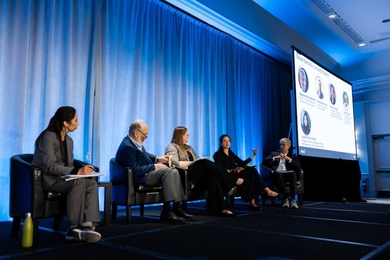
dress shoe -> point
(181, 213)
(171, 218)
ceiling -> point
(357, 21)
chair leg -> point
(141, 210)
(300, 198)
(107, 205)
(227, 202)
(15, 226)
(56, 223)
(208, 206)
(114, 208)
(263, 198)
(128, 214)
(36, 229)
(231, 200)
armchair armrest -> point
(122, 182)
(22, 175)
(184, 181)
(300, 178)
(272, 171)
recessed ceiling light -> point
(362, 44)
(331, 16)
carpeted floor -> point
(317, 230)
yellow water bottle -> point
(28, 229)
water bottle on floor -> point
(28, 229)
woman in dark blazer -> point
(54, 155)
(202, 173)
(253, 184)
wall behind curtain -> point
(117, 61)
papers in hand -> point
(70, 177)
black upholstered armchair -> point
(191, 192)
(268, 173)
(125, 192)
(27, 195)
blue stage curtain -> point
(163, 67)
(117, 61)
(45, 63)
(258, 104)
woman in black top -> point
(253, 184)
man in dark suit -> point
(148, 170)
(286, 165)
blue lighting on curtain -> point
(117, 61)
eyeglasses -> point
(145, 135)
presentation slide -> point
(324, 111)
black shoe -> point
(171, 218)
(181, 213)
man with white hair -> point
(148, 170)
(286, 166)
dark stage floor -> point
(317, 230)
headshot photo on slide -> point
(345, 101)
(332, 94)
(303, 79)
(305, 122)
(320, 91)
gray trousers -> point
(169, 179)
(82, 200)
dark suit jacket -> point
(47, 156)
(140, 162)
(294, 165)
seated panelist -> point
(286, 166)
(254, 184)
(148, 170)
(202, 173)
(54, 155)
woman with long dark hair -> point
(54, 155)
(254, 184)
(202, 173)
